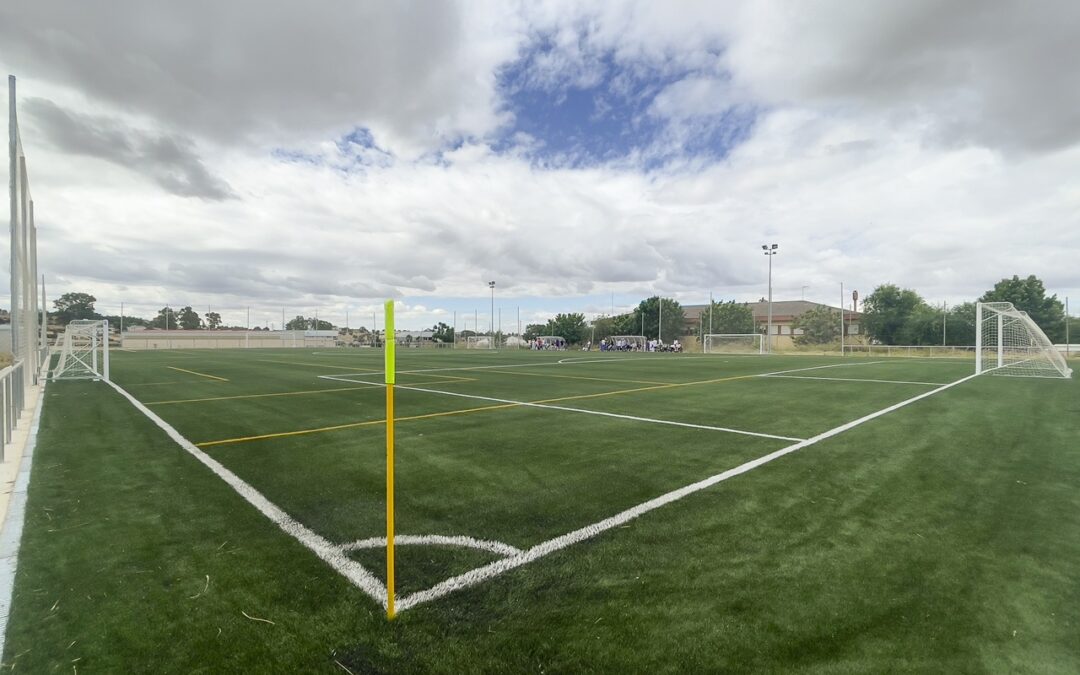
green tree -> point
(674, 318)
(570, 327)
(213, 320)
(188, 319)
(308, 323)
(960, 325)
(73, 307)
(166, 318)
(887, 311)
(727, 317)
(440, 332)
(114, 321)
(1029, 295)
(297, 323)
(820, 325)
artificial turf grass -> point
(123, 529)
(767, 572)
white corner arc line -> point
(461, 541)
(485, 572)
(329, 552)
(601, 413)
(851, 379)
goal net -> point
(626, 343)
(479, 342)
(84, 352)
(734, 343)
(1008, 342)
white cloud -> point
(903, 143)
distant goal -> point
(84, 352)
(734, 343)
(1008, 342)
(480, 342)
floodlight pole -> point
(770, 250)
(944, 322)
(491, 323)
(1067, 344)
(13, 151)
(841, 318)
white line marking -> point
(851, 379)
(498, 567)
(435, 540)
(329, 552)
(831, 365)
(651, 420)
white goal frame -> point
(759, 338)
(84, 352)
(477, 342)
(1009, 342)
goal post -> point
(1009, 342)
(84, 352)
(734, 343)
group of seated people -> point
(624, 345)
(548, 344)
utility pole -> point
(770, 250)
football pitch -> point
(555, 512)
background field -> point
(940, 536)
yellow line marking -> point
(152, 384)
(353, 425)
(574, 377)
(212, 377)
(367, 385)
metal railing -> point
(920, 351)
(12, 400)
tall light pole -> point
(770, 250)
(491, 285)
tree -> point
(534, 330)
(188, 319)
(960, 325)
(166, 318)
(114, 321)
(1029, 295)
(297, 323)
(570, 327)
(213, 320)
(74, 306)
(440, 332)
(674, 318)
(727, 317)
(820, 325)
(887, 311)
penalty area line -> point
(192, 372)
(494, 569)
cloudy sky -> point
(325, 156)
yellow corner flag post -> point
(389, 353)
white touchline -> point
(331, 553)
(548, 406)
(434, 540)
(496, 568)
(851, 379)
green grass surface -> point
(940, 537)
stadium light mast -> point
(491, 327)
(770, 250)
